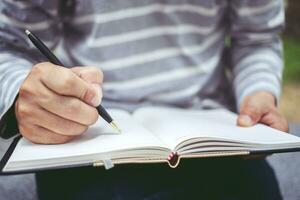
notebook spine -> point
(173, 159)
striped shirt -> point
(187, 53)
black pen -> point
(53, 59)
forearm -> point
(257, 69)
(256, 50)
(13, 72)
(16, 54)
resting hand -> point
(260, 108)
(56, 104)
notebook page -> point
(174, 125)
(97, 139)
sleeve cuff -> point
(8, 124)
(12, 92)
(8, 121)
(258, 86)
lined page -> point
(98, 138)
(176, 125)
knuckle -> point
(23, 110)
(26, 89)
(39, 68)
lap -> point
(212, 178)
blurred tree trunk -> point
(293, 17)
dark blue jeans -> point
(212, 178)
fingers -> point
(70, 108)
(55, 123)
(40, 135)
(28, 114)
(33, 95)
(254, 107)
(65, 82)
(89, 74)
(260, 108)
(54, 104)
(244, 120)
(250, 114)
(275, 120)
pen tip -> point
(27, 31)
(114, 125)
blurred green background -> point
(292, 59)
(290, 102)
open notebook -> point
(153, 134)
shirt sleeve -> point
(17, 54)
(256, 47)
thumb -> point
(89, 74)
(244, 120)
(97, 94)
(249, 115)
(94, 77)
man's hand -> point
(260, 108)
(56, 104)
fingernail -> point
(245, 120)
(96, 100)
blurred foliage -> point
(291, 41)
(289, 104)
(292, 60)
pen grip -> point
(103, 113)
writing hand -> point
(56, 104)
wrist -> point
(265, 96)
(262, 99)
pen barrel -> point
(53, 59)
(103, 113)
(44, 49)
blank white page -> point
(174, 125)
(98, 138)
